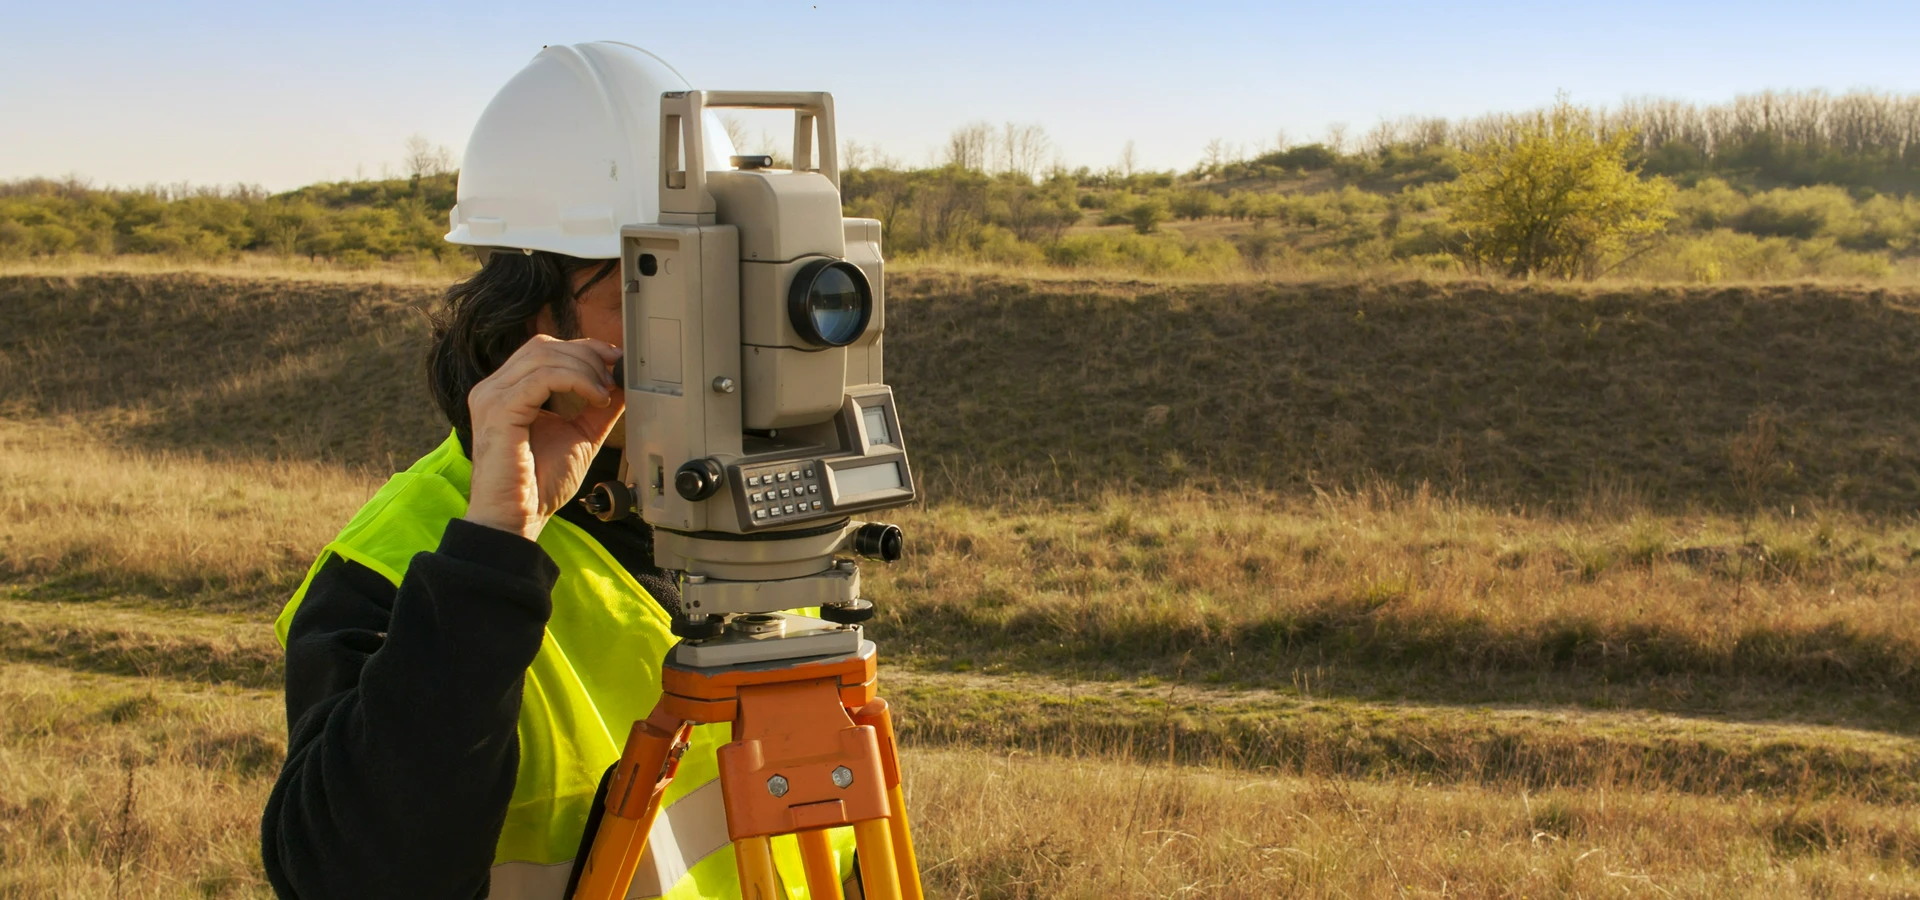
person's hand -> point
(526, 459)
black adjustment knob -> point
(878, 540)
(610, 501)
(698, 479)
(852, 613)
(704, 628)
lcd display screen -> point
(876, 419)
(867, 479)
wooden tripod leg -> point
(753, 857)
(646, 767)
(906, 864)
(823, 875)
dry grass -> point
(253, 368)
(1530, 396)
(1683, 629)
(419, 272)
(1385, 593)
(141, 788)
(166, 524)
(1048, 827)
(116, 787)
(1303, 731)
(1377, 594)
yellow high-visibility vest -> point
(598, 670)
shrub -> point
(1802, 213)
(1306, 157)
(1156, 254)
(1556, 198)
(1710, 204)
(1146, 215)
(1198, 204)
(1727, 255)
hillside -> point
(1010, 389)
(1234, 589)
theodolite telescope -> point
(758, 418)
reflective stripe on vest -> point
(685, 835)
(598, 670)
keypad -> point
(789, 490)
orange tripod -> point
(812, 749)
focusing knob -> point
(610, 501)
(850, 613)
(698, 479)
(878, 540)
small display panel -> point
(868, 479)
(876, 421)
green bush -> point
(1307, 157)
(1802, 213)
(1198, 204)
(392, 220)
(1146, 215)
(1156, 254)
(1727, 255)
(1710, 204)
(1557, 197)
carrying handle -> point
(683, 158)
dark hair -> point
(483, 319)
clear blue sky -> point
(282, 94)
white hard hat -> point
(569, 151)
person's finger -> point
(516, 401)
(597, 423)
(598, 354)
(522, 400)
(543, 350)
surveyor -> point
(464, 660)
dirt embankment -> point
(1677, 397)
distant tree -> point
(424, 159)
(1337, 137)
(969, 146)
(736, 132)
(1554, 196)
(1022, 149)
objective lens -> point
(830, 303)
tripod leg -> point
(646, 767)
(823, 877)
(907, 865)
(753, 857)
(878, 873)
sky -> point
(283, 94)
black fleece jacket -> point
(402, 707)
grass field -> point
(1250, 590)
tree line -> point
(1769, 185)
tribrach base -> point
(812, 749)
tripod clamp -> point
(813, 748)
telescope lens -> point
(830, 303)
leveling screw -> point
(842, 776)
(777, 785)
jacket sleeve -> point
(402, 707)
